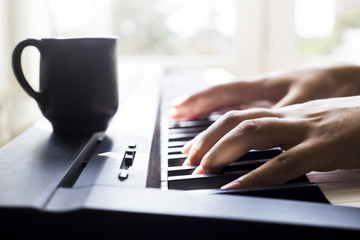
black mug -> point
(78, 90)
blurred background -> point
(245, 37)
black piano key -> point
(244, 165)
(202, 181)
(180, 170)
(214, 181)
(252, 155)
(176, 144)
(196, 130)
(261, 154)
(176, 160)
(292, 191)
(181, 136)
(235, 166)
(190, 123)
(301, 179)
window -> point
(155, 27)
(247, 37)
(328, 29)
(177, 32)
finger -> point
(287, 166)
(294, 96)
(186, 148)
(204, 142)
(262, 133)
(203, 103)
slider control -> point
(128, 158)
(127, 161)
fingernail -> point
(186, 148)
(187, 162)
(233, 184)
(173, 112)
(198, 170)
(177, 101)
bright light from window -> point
(156, 27)
(314, 19)
(188, 19)
(328, 28)
(80, 17)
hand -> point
(275, 90)
(318, 135)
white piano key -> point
(341, 187)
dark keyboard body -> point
(129, 182)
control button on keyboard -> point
(123, 175)
(132, 145)
(128, 159)
(130, 152)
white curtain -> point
(19, 20)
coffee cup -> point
(78, 87)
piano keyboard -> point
(109, 184)
(340, 187)
(179, 177)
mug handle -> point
(16, 64)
